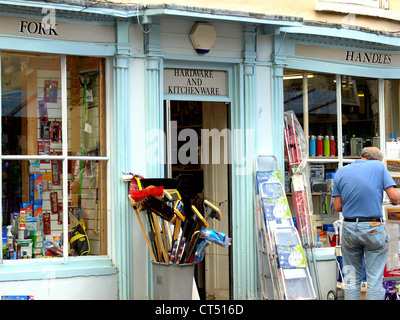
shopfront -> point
(85, 102)
(345, 97)
(131, 90)
(55, 98)
(207, 116)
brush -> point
(158, 207)
(211, 210)
(139, 195)
(198, 223)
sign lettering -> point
(194, 82)
(350, 56)
(367, 57)
(33, 27)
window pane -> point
(32, 208)
(86, 106)
(87, 137)
(392, 119)
(31, 104)
(32, 125)
(360, 114)
(293, 92)
(87, 204)
(322, 111)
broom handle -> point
(144, 233)
(158, 237)
(84, 118)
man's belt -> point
(363, 220)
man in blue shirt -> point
(358, 193)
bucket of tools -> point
(176, 236)
(172, 281)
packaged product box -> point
(26, 247)
(37, 241)
(35, 187)
(36, 233)
(4, 237)
(13, 219)
(28, 207)
(38, 252)
(48, 181)
(39, 221)
(37, 210)
(31, 224)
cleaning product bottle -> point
(10, 243)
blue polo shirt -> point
(361, 185)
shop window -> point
(360, 115)
(53, 156)
(392, 102)
(313, 97)
(293, 92)
(318, 102)
(337, 130)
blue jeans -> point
(360, 239)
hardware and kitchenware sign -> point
(195, 82)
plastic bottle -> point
(327, 151)
(333, 146)
(319, 146)
(312, 146)
(10, 241)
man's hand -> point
(337, 203)
(393, 195)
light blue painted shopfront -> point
(139, 45)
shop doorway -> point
(198, 149)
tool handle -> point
(144, 233)
(158, 237)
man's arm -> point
(393, 195)
(337, 203)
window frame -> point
(64, 158)
(381, 107)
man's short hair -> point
(372, 153)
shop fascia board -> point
(218, 14)
(98, 8)
(8, 42)
(149, 11)
(345, 32)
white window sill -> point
(56, 268)
(357, 10)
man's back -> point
(360, 185)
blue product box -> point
(35, 187)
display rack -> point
(284, 273)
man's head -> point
(371, 153)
